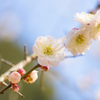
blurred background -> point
(22, 21)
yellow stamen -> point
(98, 26)
(48, 50)
(80, 39)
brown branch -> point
(30, 71)
(6, 88)
(5, 84)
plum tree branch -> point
(21, 64)
(6, 88)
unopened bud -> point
(21, 71)
(32, 77)
(75, 29)
(14, 77)
(15, 87)
(44, 68)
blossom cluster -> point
(51, 51)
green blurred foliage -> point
(12, 52)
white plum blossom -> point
(95, 27)
(84, 17)
(78, 41)
(50, 51)
(14, 77)
(93, 22)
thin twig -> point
(6, 88)
(20, 94)
(7, 62)
(5, 84)
(41, 81)
(73, 56)
(25, 52)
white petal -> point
(53, 63)
(43, 62)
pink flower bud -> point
(15, 87)
(75, 29)
(32, 77)
(44, 68)
(14, 77)
(21, 71)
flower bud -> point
(32, 77)
(44, 68)
(14, 77)
(21, 71)
(75, 29)
(15, 87)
